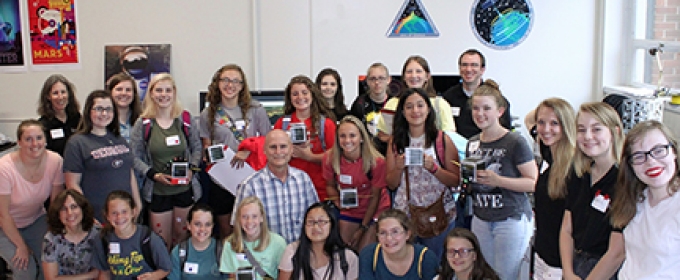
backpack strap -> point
(183, 253)
(375, 256)
(147, 252)
(186, 123)
(219, 247)
(343, 263)
(286, 122)
(440, 148)
(322, 134)
(147, 123)
(420, 262)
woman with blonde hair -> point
(647, 203)
(586, 234)
(556, 135)
(252, 237)
(164, 135)
(355, 167)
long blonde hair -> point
(237, 237)
(607, 116)
(564, 148)
(150, 108)
(368, 153)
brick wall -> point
(667, 28)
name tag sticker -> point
(240, 124)
(172, 140)
(473, 146)
(544, 166)
(600, 202)
(57, 133)
(114, 248)
(455, 111)
(345, 179)
(190, 268)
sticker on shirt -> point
(544, 166)
(57, 133)
(600, 202)
(190, 268)
(172, 140)
(473, 146)
(114, 248)
(455, 111)
(240, 124)
(345, 179)
(241, 257)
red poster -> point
(53, 31)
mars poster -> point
(53, 32)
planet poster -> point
(11, 42)
(501, 24)
(53, 33)
(412, 21)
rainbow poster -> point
(53, 32)
(412, 21)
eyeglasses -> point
(100, 110)
(462, 252)
(377, 79)
(657, 152)
(233, 82)
(321, 223)
(393, 233)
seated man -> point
(285, 191)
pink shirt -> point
(27, 198)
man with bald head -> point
(285, 191)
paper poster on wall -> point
(412, 21)
(139, 61)
(501, 24)
(54, 35)
(11, 41)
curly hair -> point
(317, 108)
(214, 96)
(54, 222)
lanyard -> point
(226, 119)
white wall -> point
(275, 40)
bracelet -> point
(434, 168)
(363, 227)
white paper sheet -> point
(229, 177)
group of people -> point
(372, 192)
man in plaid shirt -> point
(285, 191)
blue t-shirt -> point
(428, 264)
(198, 265)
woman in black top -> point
(58, 110)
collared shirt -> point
(285, 203)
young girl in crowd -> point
(164, 134)
(197, 257)
(58, 110)
(556, 136)
(330, 84)
(125, 250)
(304, 105)
(501, 210)
(647, 203)
(464, 259)
(123, 89)
(320, 252)
(252, 238)
(68, 245)
(97, 159)
(427, 184)
(231, 117)
(394, 257)
(416, 74)
(28, 177)
(585, 232)
(354, 166)
(367, 106)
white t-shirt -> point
(652, 241)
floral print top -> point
(72, 258)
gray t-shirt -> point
(502, 156)
(125, 259)
(231, 118)
(105, 164)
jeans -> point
(504, 244)
(33, 237)
(435, 244)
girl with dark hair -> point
(394, 256)
(320, 252)
(97, 159)
(589, 247)
(252, 235)
(464, 259)
(28, 177)
(427, 184)
(647, 203)
(123, 89)
(305, 106)
(231, 116)
(126, 250)
(67, 247)
(196, 257)
(330, 84)
(58, 110)
(356, 167)
(502, 210)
